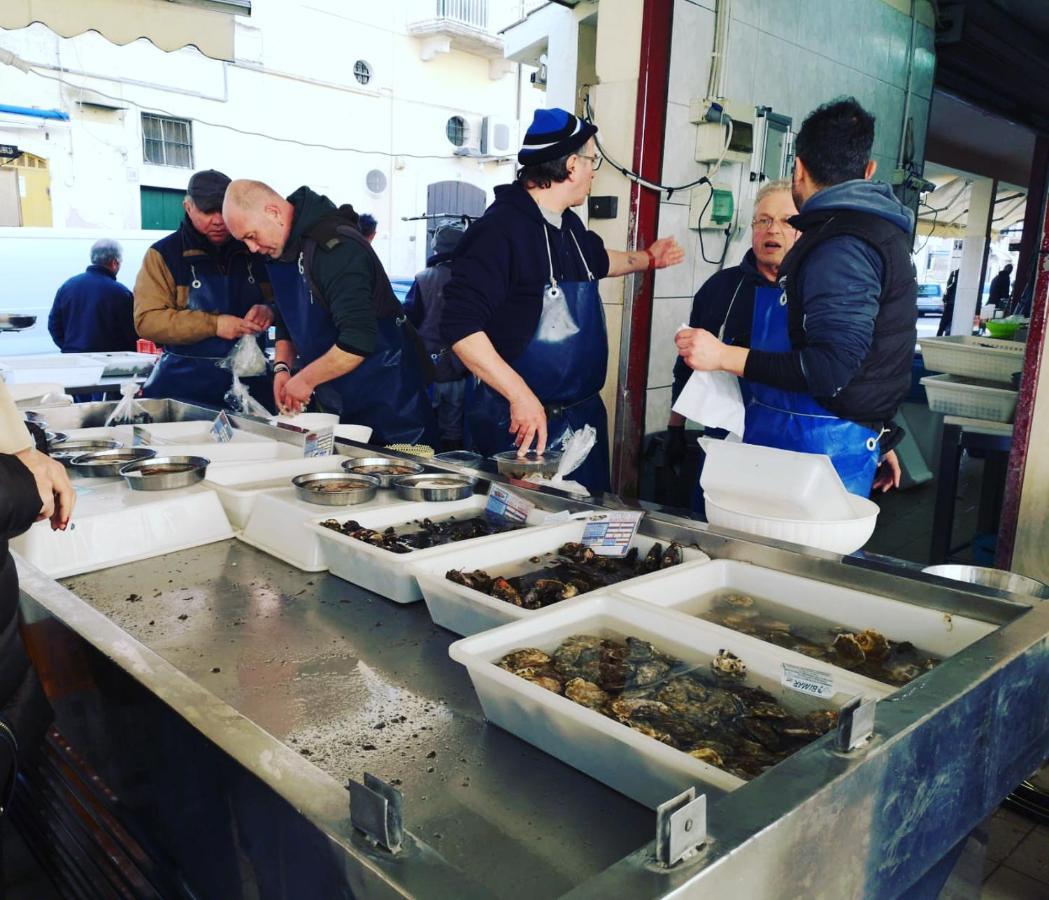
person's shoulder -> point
(724, 279)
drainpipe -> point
(649, 132)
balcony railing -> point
(467, 12)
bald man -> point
(343, 341)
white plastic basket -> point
(973, 357)
(956, 396)
(632, 763)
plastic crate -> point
(972, 399)
(973, 357)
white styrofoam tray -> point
(972, 398)
(634, 764)
(773, 482)
(193, 439)
(973, 357)
(466, 611)
(279, 525)
(113, 524)
(381, 571)
(693, 593)
(240, 485)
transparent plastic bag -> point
(246, 358)
(239, 400)
(129, 411)
(575, 448)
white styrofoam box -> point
(837, 536)
(973, 357)
(973, 399)
(57, 368)
(113, 524)
(278, 525)
(379, 570)
(772, 482)
(466, 611)
(639, 766)
(239, 485)
(694, 592)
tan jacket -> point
(160, 306)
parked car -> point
(930, 299)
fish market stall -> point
(214, 702)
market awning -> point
(170, 24)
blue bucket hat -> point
(553, 133)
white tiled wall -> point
(791, 55)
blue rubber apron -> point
(793, 421)
(189, 372)
(564, 364)
(386, 391)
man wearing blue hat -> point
(522, 310)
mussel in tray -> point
(422, 533)
(710, 712)
(867, 652)
(573, 570)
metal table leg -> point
(946, 488)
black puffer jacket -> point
(23, 707)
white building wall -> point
(293, 79)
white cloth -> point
(713, 399)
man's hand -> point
(232, 327)
(666, 252)
(888, 475)
(699, 349)
(260, 314)
(296, 392)
(280, 380)
(528, 422)
(56, 493)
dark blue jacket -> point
(501, 268)
(838, 285)
(726, 298)
(93, 313)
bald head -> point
(259, 216)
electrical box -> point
(711, 119)
(603, 207)
(775, 145)
(711, 209)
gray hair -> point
(770, 187)
(105, 251)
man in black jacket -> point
(829, 369)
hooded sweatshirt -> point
(501, 269)
(839, 284)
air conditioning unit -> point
(498, 136)
(473, 137)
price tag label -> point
(610, 533)
(807, 681)
(222, 429)
(507, 505)
(319, 442)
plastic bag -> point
(575, 448)
(246, 358)
(239, 400)
(129, 411)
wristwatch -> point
(281, 367)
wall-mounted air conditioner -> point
(498, 136)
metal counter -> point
(224, 698)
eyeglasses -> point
(595, 160)
(764, 223)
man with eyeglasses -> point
(830, 361)
(522, 310)
(724, 305)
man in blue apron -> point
(197, 293)
(339, 325)
(830, 354)
(522, 310)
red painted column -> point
(1014, 480)
(649, 133)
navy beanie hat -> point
(553, 133)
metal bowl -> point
(435, 487)
(368, 465)
(67, 451)
(995, 578)
(150, 474)
(108, 463)
(466, 458)
(310, 488)
(514, 466)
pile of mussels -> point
(711, 715)
(429, 533)
(575, 569)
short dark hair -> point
(835, 141)
(367, 224)
(544, 174)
